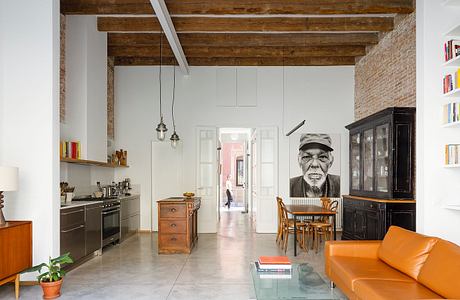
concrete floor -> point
(218, 268)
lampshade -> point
(8, 179)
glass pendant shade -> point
(174, 139)
(161, 130)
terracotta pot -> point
(51, 290)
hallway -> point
(218, 268)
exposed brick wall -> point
(62, 72)
(110, 97)
(386, 75)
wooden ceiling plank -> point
(216, 52)
(219, 7)
(272, 24)
(248, 61)
(248, 39)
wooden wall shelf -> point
(91, 163)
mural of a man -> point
(315, 159)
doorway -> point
(234, 173)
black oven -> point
(110, 222)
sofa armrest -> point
(364, 249)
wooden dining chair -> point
(323, 227)
(288, 228)
(279, 234)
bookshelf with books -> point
(451, 89)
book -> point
(274, 262)
(274, 270)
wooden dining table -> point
(308, 210)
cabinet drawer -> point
(72, 217)
(371, 205)
(173, 241)
(73, 241)
(173, 226)
(173, 211)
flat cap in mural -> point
(315, 140)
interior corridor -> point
(218, 267)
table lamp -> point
(8, 182)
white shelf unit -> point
(453, 93)
(452, 206)
(451, 125)
(455, 62)
(453, 32)
(452, 166)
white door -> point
(267, 179)
(206, 179)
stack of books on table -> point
(278, 267)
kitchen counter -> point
(74, 204)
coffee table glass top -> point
(303, 283)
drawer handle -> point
(66, 231)
(173, 225)
(172, 210)
(173, 239)
(72, 212)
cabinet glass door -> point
(355, 161)
(382, 158)
(368, 156)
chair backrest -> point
(284, 213)
(333, 205)
(279, 201)
(325, 202)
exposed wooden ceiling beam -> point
(272, 24)
(215, 52)
(219, 7)
(167, 25)
(248, 39)
(247, 61)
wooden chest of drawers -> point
(177, 225)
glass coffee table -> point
(303, 283)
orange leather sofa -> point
(405, 265)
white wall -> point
(29, 32)
(436, 186)
(324, 96)
(86, 87)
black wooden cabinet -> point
(368, 219)
(382, 148)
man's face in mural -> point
(315, 164)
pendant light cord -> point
(173, 98)
(159, 76)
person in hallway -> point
(229, 191)
(315, 159)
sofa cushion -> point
(406, 250)
(394, 290)
(441, 271)
(351, 269)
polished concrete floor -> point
(218, 268)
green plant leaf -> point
(63, 259)
(35, 268)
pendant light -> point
(174, 137)
(161, 128)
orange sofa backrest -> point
(406, 250)
(441, 271)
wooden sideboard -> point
(369, 218)
(15, 251)
(177, 224)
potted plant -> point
(51, 280)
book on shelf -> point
(452, 154)
(451, 49)
(274, 263)
(68, 149)
(451, 113)
(451, 82)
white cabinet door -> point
(267, 179)
(206, 179)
